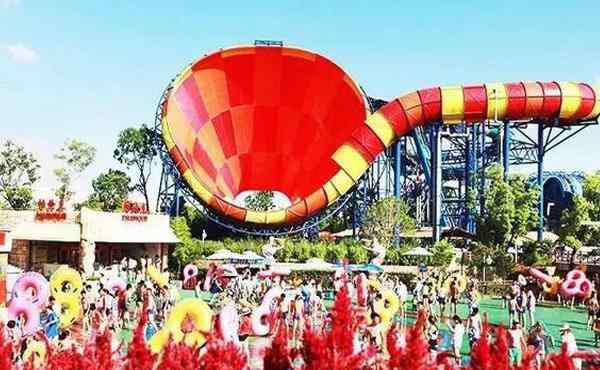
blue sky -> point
(87, 69)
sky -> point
(88, 69)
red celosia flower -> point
(277, 357)
(139, 356)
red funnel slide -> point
(290, 120)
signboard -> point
(50, 211)
(134, 211)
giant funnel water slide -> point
(258, 118)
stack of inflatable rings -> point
(69, 299)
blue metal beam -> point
(540, 181)
(506, 148)
(436, 181)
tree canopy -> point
(19, 170)
(509, 208)
(386, 219)
(75, 157)
(591, 193)
(260, 201)
(110, 190)
(136, 151)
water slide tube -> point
(290, 120)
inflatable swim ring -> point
(35, 283)
(190, 270)
(229, 323)
(161, 279)
(387, 306)
(70, 309)
(23, 307)
(35, 352)
(114, 284)
(65, 281)
(193, 309)
(259, 326)
(576, 284)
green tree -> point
(110, 190)
(591, 193)
(494, 225)
(570, 231)
(526, 198)
(187, 250)
(260, 201)
(442, 253)
(136, 150)
(385, 219)
(75, 157)
(18, 172)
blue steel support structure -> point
(436, 181)
(398, 175)
(506, 148)
(540, 180)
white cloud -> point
(9, 3)
(20, 53)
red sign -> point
(50, 211)
(2, 237)
(134, 211)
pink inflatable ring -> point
(189, 271)
(23, 307)
(37, 284)
(576, 284)
(115, 284)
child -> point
(596, 329)
(151, 328)
(457, 329)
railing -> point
(563, 257)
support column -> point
(436, 182)
(88, 256)
(540, 180)
(397, 168)
(469, 178)
(506, 148)
(175, 211)
(483, 167)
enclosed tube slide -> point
(290, 120)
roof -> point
(112, 227)
(49, 231)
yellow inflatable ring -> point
(159, 340)
(375, 284)
(62, 276)
(198, 312)
(551, 288)
(37, 349)
(70, 309)
(387, 306)
(161, 280)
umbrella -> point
(366, 267)
(252, 257)
(418, 251)
(318, 262)
(224, 254)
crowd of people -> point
(302, 305)
(101, 309)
